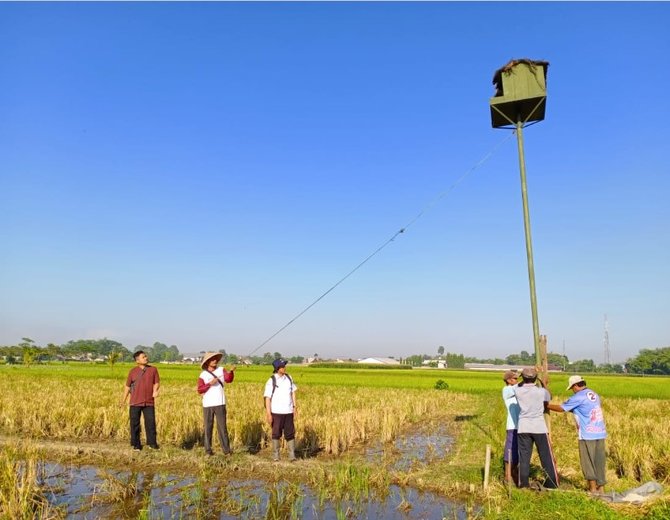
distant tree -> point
(557, 359)
(113, 357)
(609, 368)
(297, 359)
(416, 360)
(276, 355)
(440, 350)
(173, 354)
(158, 351)
(650, 361)
(28, 350)
(53, 351)
(455, 360)
(523, 358)
(233, 359)
(583, 365)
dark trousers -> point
(541, 441)
(220, 413)
(283, 423)
(149, 425)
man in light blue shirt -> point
(511, 450)
(585, 405)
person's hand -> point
(268, 418)
(214, 381)
(295, 411)
(232, 369)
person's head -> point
(510, 377)
(211, 360)
(140, 357)
(279, 366)
(529, 375)
(576, 383)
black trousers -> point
(149, 425)
(221, 427)
(283, 422)
(541, 441)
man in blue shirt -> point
(585, 405)
(511, 450)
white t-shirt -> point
(215, 395)
(281, 401)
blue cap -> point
(278, 363)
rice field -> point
(343, 412)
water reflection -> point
(90, 493)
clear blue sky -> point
(197, 174)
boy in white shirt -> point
(280, 408)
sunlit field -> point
(343, 412)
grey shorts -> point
(593, 459)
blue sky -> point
(197, 174)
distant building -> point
(503, 368)
(439, 363)
(379, 361)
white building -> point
(379, 361)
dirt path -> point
(120, 456)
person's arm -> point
(202, 386)
(555, 408)
(126, 389)
(268, 410)
(126, 393)
(157, 384)
(295, 404)
(268, 401)
(229, 375)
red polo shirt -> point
(141, 385)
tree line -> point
(648, 361)
(28, 352)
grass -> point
(341, 412)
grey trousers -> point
(593, 460)
(220, 413)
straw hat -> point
(208, 357)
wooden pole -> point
(487, 466)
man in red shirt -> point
(142, 386)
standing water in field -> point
(91, 493)
(414, 448)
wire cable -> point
(412, 221)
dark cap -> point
(529, 373)
(278, 363)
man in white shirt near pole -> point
(280, 408)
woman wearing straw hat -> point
(210, 386)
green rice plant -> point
(284, 502)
